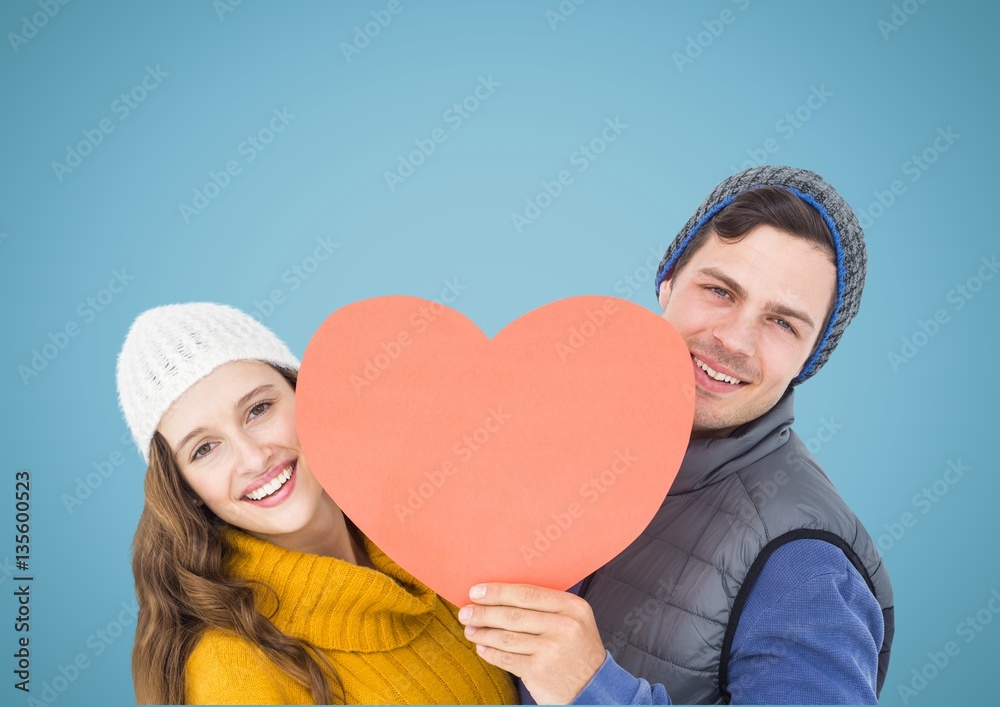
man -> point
(754, 583)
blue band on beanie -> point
(668, 266)
(810, 364)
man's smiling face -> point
(751, 313)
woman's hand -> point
(547, 638)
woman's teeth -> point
(273, 485)
(715, 374)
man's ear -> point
(664, 294)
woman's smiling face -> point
(234, 439)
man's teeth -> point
(715, 374)
(273, 485)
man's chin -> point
(716, 425)
(698, 433)
(716, 418)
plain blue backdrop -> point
(169, 152)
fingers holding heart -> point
(547, 638)
(508, 628)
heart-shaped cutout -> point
(533, 457)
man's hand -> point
(547, 638)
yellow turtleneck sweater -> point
(391, 639)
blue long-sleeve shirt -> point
(809, 633)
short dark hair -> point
(767, 205)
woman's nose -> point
(254, 454)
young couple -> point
(754, 583)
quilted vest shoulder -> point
(668, 606)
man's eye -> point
(719, 291)
(785, 325)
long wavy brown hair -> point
(178, 559)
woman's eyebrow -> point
(193, 433)
(253, 393)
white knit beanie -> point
(170, 348)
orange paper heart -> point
(535, 457)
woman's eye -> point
(202, 450)
(259, 409)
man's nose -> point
(737, 333)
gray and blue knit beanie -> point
(848, 242)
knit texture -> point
(810, 632)
(390, 638)
(170, 348)
(848, 240)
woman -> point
(252, 584)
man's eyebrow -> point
(790, 313)
(239, 403)
(729, 282)
(771, 306)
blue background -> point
(701, 94)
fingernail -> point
(469, 630)
(465, 613)
(478, 591)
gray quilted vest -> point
(668, 606)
